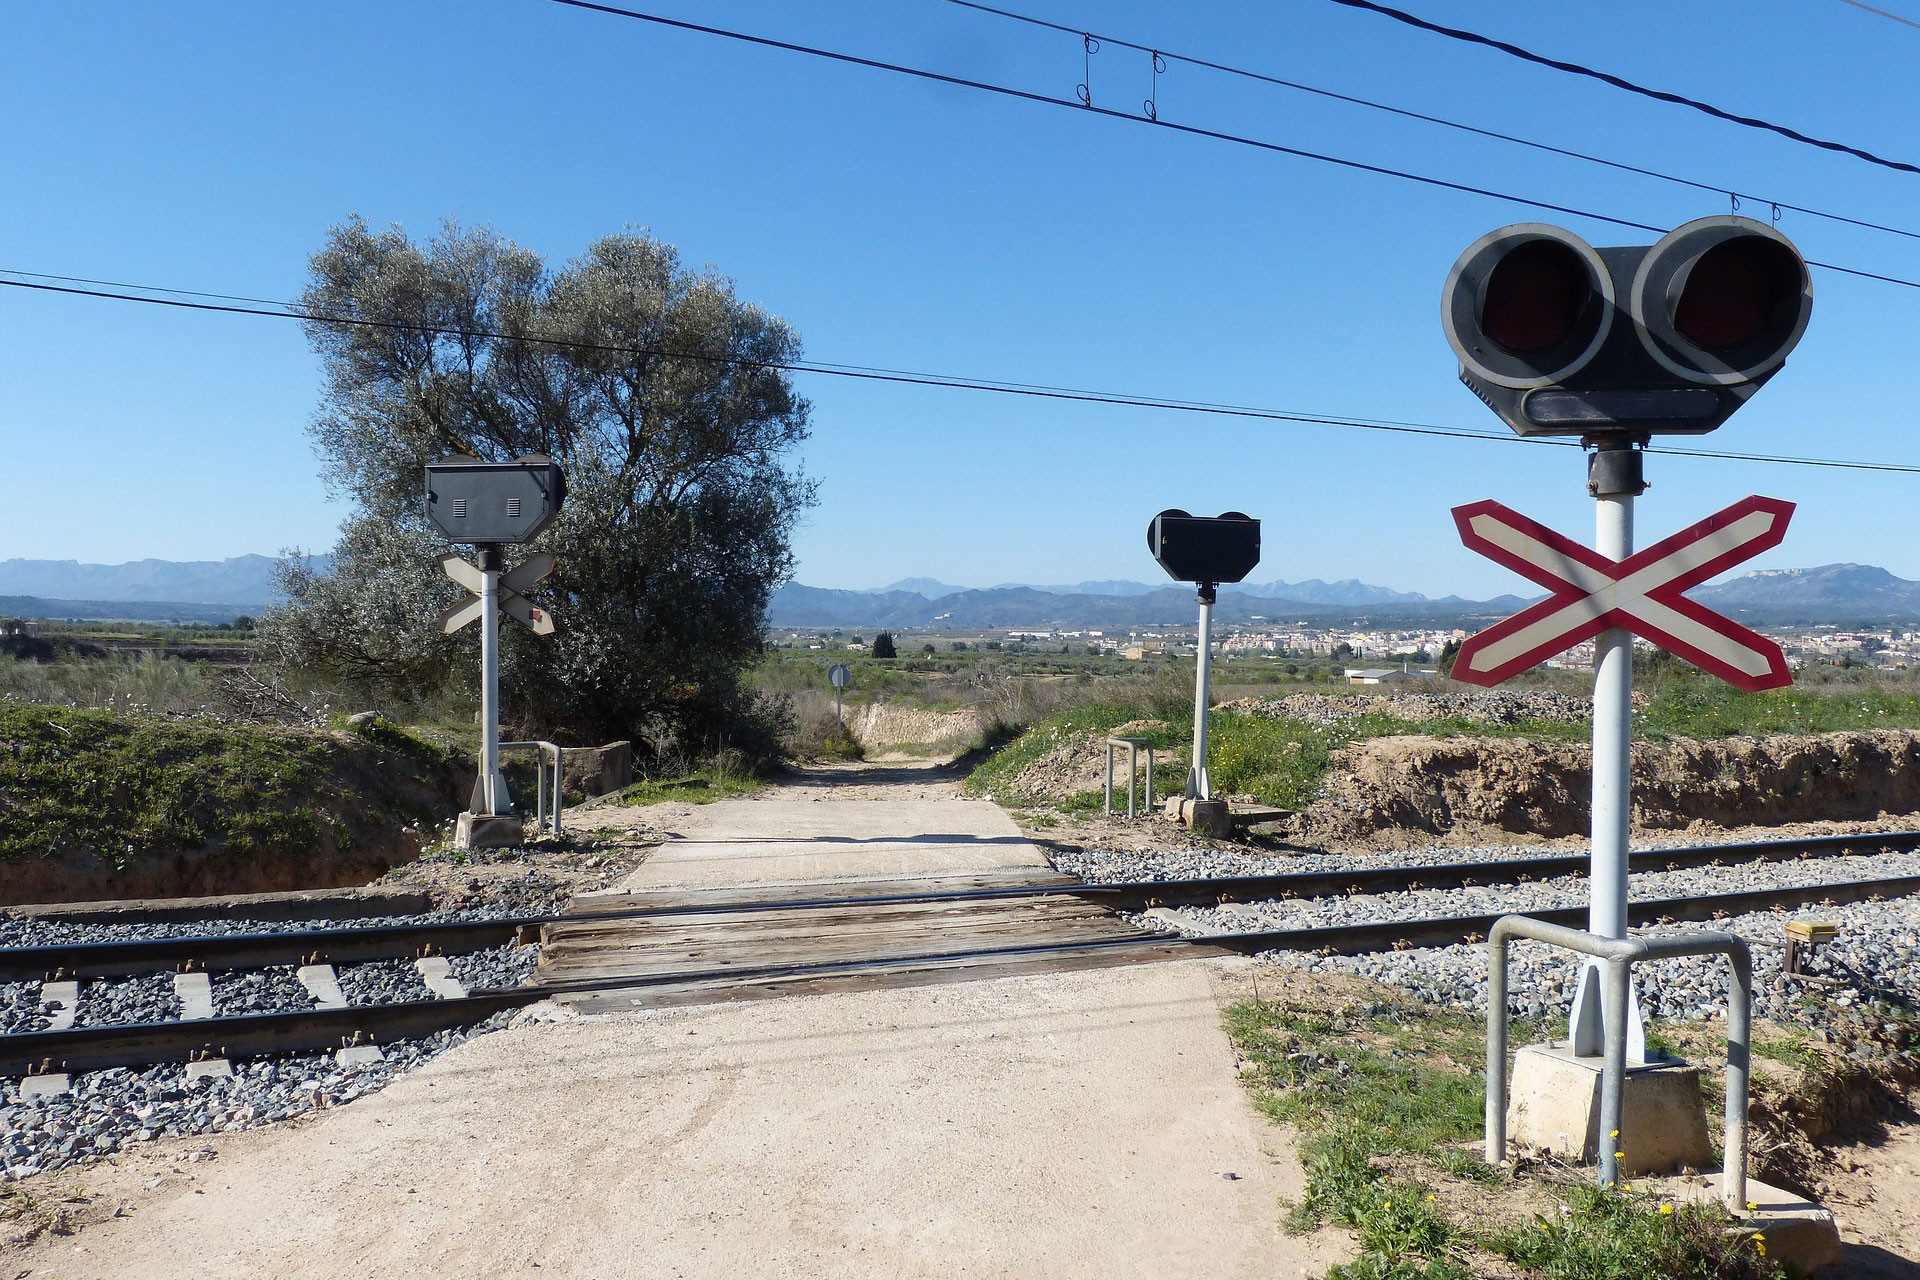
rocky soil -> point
(1480, 706)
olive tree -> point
(661, 394)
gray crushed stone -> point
(108, 1111)
(116, 1001)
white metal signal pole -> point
(1615, 479)
(490, 792)
(1199, 787)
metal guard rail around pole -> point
(548, 751)
(1133, 746)
(1620, 955)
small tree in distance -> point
(661, 393)
(883, 646)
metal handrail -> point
(540, 812)
(1133, 746)
(1619, 955)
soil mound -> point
(1079, 762)
(1413, 789)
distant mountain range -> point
(1839, 594)
(218, 590)
(159, 611)
(1312, 591)
(243, 582)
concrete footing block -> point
(1800, 1234)
(1208, 817)
(485, 831)
(1555, 1106)
(209, 1069)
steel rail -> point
(252, 1035)
(1299, 884)
(386, 942)
(218, 951)
(1347, 939)
(249, 1035)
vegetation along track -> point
(72, 1049)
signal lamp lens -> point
(1534, 297)
(1735, 291)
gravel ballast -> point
(1875, 954)
(1878, 949)
(111, 1110)
(106, 1111)
(53, 933)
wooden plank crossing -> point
(580, 953)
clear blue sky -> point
(911, 225)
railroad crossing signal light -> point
(1205, 549)
(494, 502)
(1562, 339)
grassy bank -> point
(1695, 707)
(1387, 1098)
(111, 798)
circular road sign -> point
(839, 675)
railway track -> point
(737, 946)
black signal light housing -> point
(1207, 550)
(1562, 339)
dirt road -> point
(1085, 1124)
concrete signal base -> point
(1555, 1106)
(1208, 817)
(485, 831)
(1799, 1234)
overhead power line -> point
(1658, 95)
(235, 304)
(1891, 17)
(1547, 148)
(1027, 95)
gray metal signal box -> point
(1205, 549)
(493, 502)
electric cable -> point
(1027, 95)
(1409, 114)
(1891, 17)
(232, 304)
(1658, 95)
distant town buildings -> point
(1375, 654)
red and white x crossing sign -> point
(1642, 593)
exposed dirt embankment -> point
(100, 805)
(888, 727)
(1412, 789)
